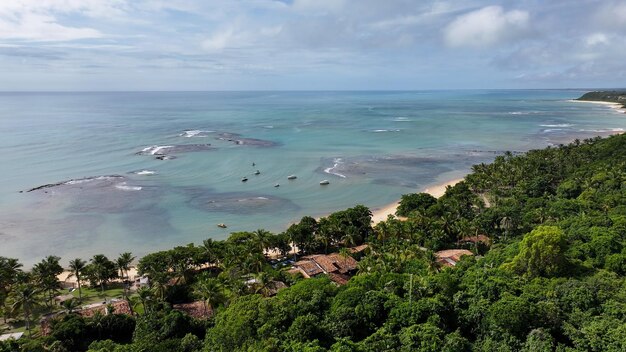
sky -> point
(95, 45)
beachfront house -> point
(450, 257)
(338, 267)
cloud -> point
(612, 15)
(488, 26)
(37, 27)
(596, 39)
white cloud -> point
(37, 27)
(596, 39)
(38, 20)
(485, 27)
(219, 40)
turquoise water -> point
(372, 147)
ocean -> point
(146, 171)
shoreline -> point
(617, 106)
(436, 190)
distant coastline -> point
(615, 98)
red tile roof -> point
(450, 257)
(195, 309)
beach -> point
(435, 190)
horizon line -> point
(308, 90)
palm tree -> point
(9, 269)
(212, 251)
(45, 274)
(70, 305)
(101, 270)
(211, 292)
(76, 269)
(25, 299)
(123, 263)
(263, 239)
(507, 225)
(145, 296)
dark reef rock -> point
(238, 140)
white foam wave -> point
(122, 186)
(604, 130)
(402, 119)
(524, 112)
(330, 170)
(548, 130)
(145, 172)
(194, 133)
(558, 125)
(155, 149)
(76, 182)
(88, 179)
(382, 131)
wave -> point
(402, 119)
(89, 179)
(382, 131)
(145, 172)
(76, 182)
(604, 130)
(155, 149)
(524, 112)
(558, 125)
(122, 186)
(195, 133)
(550, 130)
(330, 170)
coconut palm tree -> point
(101, 270)
(70, 305)
(9, 269)
(211, 291)
(76, 269)
(25, 299)
(145, 295)
(123, 263)
(45, 274)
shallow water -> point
(371, 146)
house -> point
(118, 306)
(342, 266)
(197, 309)
(14, 336)
(450, 257)
(479, 239)
(358, 249)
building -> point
(14, 336)
(450, 257)
(479, 239)
(337, 266)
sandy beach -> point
(617, 106)
(436, 190)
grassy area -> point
(95, 294)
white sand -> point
(616, 106)
(436, 190)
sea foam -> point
(331, 170)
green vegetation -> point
(611, 96)
(552, 280)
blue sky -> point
(310, 44)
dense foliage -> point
(552, 280)
(612, 96)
